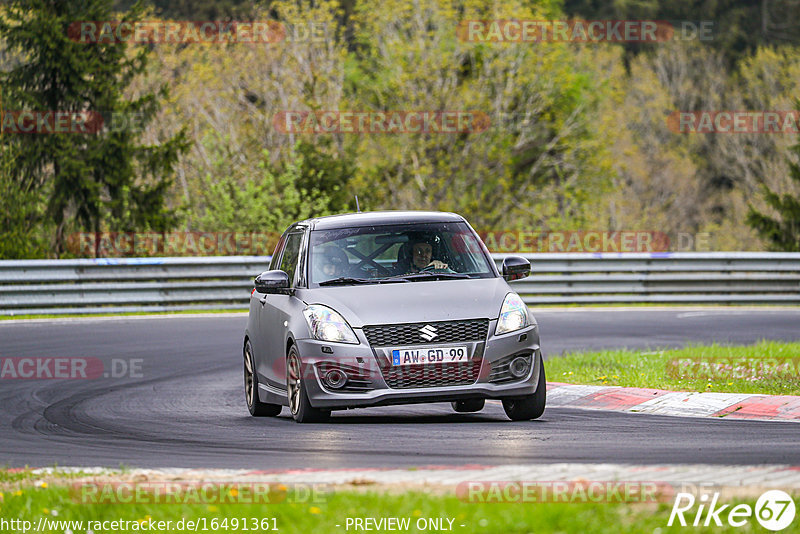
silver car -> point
(384, 308)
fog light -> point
(335, 379)
(519, 366)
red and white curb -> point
(675, 403)
(769, 476)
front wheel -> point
(302, 411)
(530, 406)
(255, 406)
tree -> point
(539, 159)
(269, 200)
(782, 233)
(20, 210)
(229, 96)
(198, 9)
(738, 27)
(93, 179)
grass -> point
(699, 305)
(768, 367)
(323, 513)
(13, 476)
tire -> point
(530, 406)
(469, 405)
(255, 406)
(300, 406)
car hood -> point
(413, 302)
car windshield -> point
(397, 253)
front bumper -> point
(369, 367)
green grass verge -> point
(30, 503)
(699, 305)
(16, 475)
(12, 476)
(768, 367)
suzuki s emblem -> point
(427, 332)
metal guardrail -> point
(127, 284)
(224, 282)
(691, 278)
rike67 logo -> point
(774, 510)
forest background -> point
(579, 135)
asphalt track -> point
(187, 408)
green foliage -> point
(782, 233)
(196, 9)
(20, 216)
(538, 161)
(577, 137)
(327, 172)
(268, 201)
(94, 181)
(738, 27)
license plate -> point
(428, 355)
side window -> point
(273, 262)
(290, 255)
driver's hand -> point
(436, 264)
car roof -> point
(379, 218)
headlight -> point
(327, 325)
(513, 315)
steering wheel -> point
(433, 269)
(379, 269)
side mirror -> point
(272, 282)
(516, 268)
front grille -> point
(409, 333)
(427, 376)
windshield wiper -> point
(426, 276)
(343, 280)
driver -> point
(334, 261)
(421, 256)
